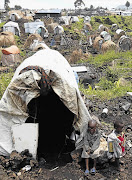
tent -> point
(37, 45)
(64, 20)
(51, 27)
(31, 38)
(7, 39)
(14, 16)
(125, 43)
(105, 35)
(74, 19)
(31, 27)
(43, 90)
(58, 30)
(12, 27)
(87, 19)
(42, 31)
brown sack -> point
(7, 39)
(31, 38)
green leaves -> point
(5, 79)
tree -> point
(6, 3)
(127, 4)
(91, 7)
(78, 3)
(18, 7)
(7, 8)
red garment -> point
(121, 137)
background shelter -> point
(12, 27)
(7, 39)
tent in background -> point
(12, 27)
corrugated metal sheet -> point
(49, 11)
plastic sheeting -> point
(12, 27)
(24, 87)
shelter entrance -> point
(55, 122)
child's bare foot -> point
(120, 169)
(121, 162)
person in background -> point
(91, 144)
(116, 143)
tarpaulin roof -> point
(24, 87)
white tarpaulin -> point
(12, 27)
(24, 87)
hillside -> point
(106, 84)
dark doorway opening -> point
(55, 122)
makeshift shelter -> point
(114, 27)
(87, 27)
(37, 45)
(18, 13)
(51, 27)
(74, 19)
(14, 17)
(48, 20)
(102, 28)
(58, 30)
(87, 19)
(105, 35)
(31, 27)
(12, 27)
(10, 56)
(98, 43)
(31, 39)
(119, 33)
(108, 45)
(7, 39)
(125, 43)
(64, 20)
(42, 31)
(43, 90)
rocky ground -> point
(62, 166)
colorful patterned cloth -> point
(121, 137)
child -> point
(116, 143)
(91, 144)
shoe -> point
(86, 172)
(93, 171)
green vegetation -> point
(76, 27)
(5, 79)
(109, 56)
(123, 23)
(20, 46)
(116, 69)
(2, 24)
(107, 94)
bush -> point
(105, 84)
(5, 79)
